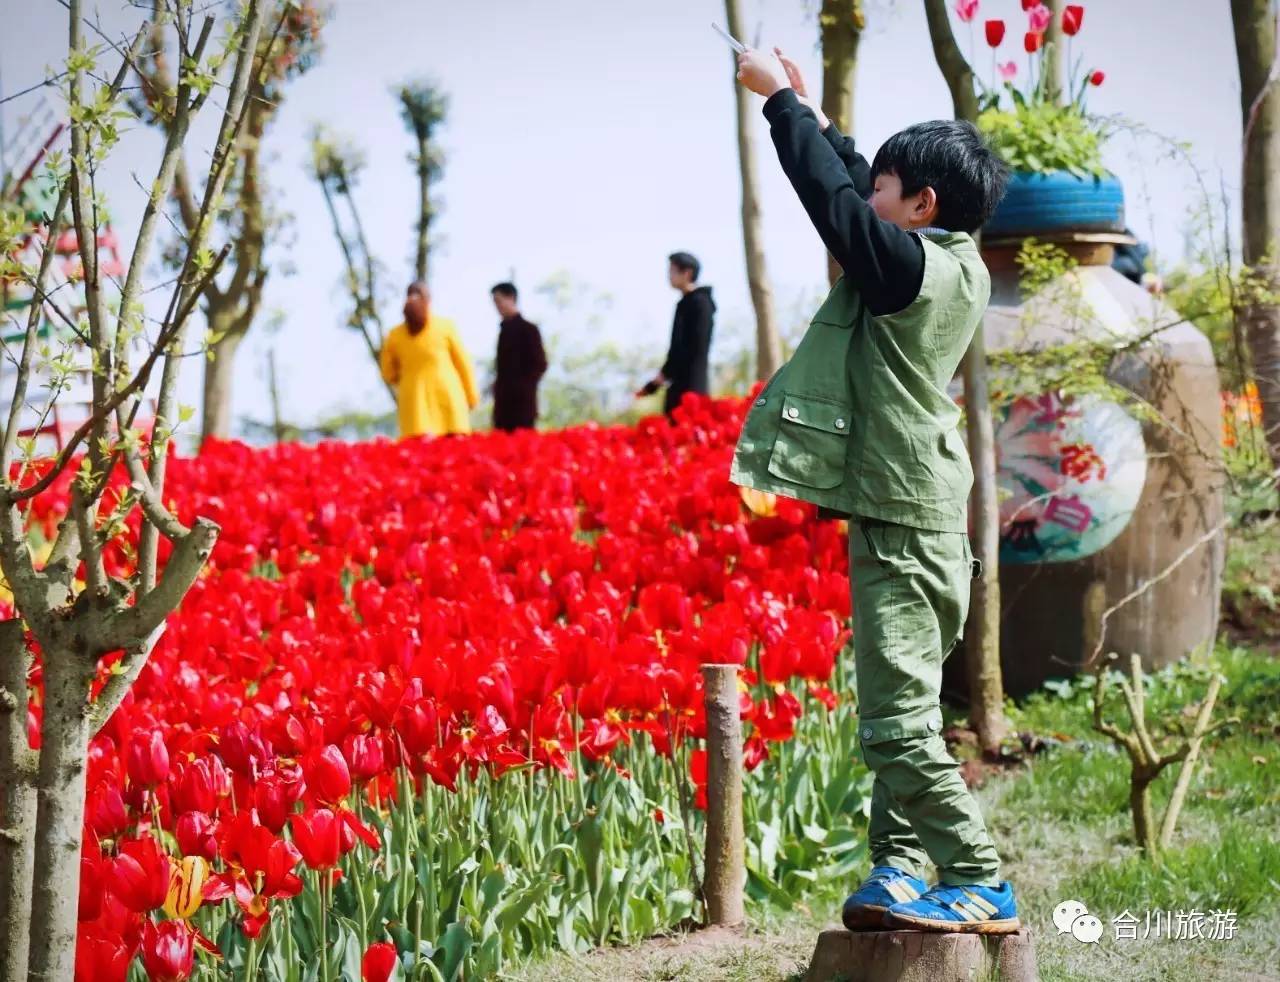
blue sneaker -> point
(967, 909)
(886, 886)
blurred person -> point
(686, 367)
(1130, 261)
(520, 364)
(423, 359)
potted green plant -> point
(1048, 138)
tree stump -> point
(922, 956)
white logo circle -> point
(1086, 928)
(1065, 913)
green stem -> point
(577, 757)
(251, 961)
(325, 891)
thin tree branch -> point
(133, 626)
(29, 342)
(124, 674)
(1147, 584)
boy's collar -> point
(932, 230)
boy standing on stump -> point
(859, 423)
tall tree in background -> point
(768, 340)
(287, 48)
(1055, 65)
(423, 107)
(986, 683)
(840, 26)
(1257, 23)
(336, 165)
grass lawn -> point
(1062, 825)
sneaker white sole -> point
(1008, 925)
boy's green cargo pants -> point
(910, 599)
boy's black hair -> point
(507, 290)
(685, 261)
(951, 157)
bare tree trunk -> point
(986, 682)
(1255, 32)
(768, 340)
(1144, 830)
(17, 806)
(277, 421)
(982, 636)
(219, 374)
(840, 26)
(424, 210)
(955, 69)
(64, 737)
(1054, 55)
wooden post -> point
(726, 869)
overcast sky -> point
(593, 138)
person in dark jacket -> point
(520, 364)
(686, 367)
(1131, 262)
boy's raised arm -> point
(883, 262)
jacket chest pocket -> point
(812, 441)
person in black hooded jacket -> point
(686, 368)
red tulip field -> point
(435, 705)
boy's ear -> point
(927, 206)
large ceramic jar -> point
(1096, 503)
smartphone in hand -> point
(734, 43)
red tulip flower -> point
(101, 955)
(1028, 4)
(261, 869)
(995, 32)
(363, 753)
(1097, 78)
(378, 963)
(1032, 42)
(1072, 19)
(966, 10)
(140, 875)
(328, 778)
(168, 952)
(148, 760)
(200, 785)
(698, 774)
(351, 828)
(105, 812)
(276, 793)
(197, 835)
(95, 870)
(318, 836)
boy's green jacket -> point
(859, 420)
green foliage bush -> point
(1041, 138)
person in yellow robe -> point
(424, 360)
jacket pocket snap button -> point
(761, 402)
(793, 412)
(839, 424)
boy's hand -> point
(762, 72)
(793, 74)
(797, 83)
